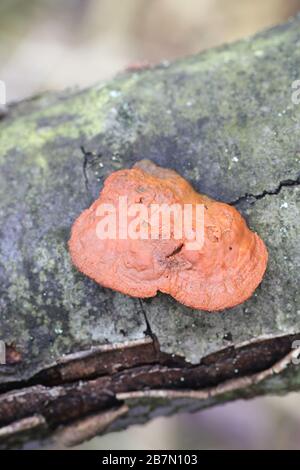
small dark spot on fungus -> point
(176, 250)
(223, 273)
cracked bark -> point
(83, 360)
(267, 192)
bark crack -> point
(86, 157)
(148, 331)
(89, 160)
(267, 192)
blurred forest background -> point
(53, 44)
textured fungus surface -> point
(222, 272)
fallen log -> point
(82, 359)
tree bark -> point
(82, 359)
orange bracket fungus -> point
(144, 234)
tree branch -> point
(82, 359)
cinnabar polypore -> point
(224, 272)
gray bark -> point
(82, 359)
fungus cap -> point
(222, 273)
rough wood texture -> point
(89, 359)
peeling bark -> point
(64, 401)
(83, 360)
